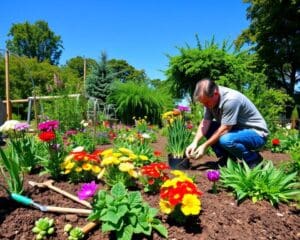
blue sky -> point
(141, 32)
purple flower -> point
(87, 190)
(21, 126)
(183, 108)
(48, 126)
(213, 175)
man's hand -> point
(199, 151)
(190, 150)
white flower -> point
(145, 135)
(8, 125)
(78, 149)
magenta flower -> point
(213, 175)
(48, 126)
(87, 190)
(183, 108)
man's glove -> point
(199, 151)
(190, 150)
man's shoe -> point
(252, 164)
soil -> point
(221, 217)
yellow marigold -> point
(165, 206)
(117, 154)
(69, 157)
(170, 183)
(106, 152)
(167, 114)
(133, 156)
(133, 173)
(126, 167)
(143, 157)
(96, 169)
(190, 205)
(70, 165)
(86, 166)
(78, 169)
(124, 159)
(67, 171)
(109, 161)
(125, 150)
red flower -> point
(47, 136)
(157, 153)
(276, 142)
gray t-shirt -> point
(235, 109)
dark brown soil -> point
(220, 218)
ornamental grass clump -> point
(180, 197)
(179, 137)
(81, 166)
(125, 213)
(262, 182)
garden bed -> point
(221, 217)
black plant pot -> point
(178, 163)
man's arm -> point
(215, 137)
(202, 130)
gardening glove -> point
(199, 151)
(190, 150)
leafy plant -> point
(74, 233)
(13, 174)
(43, 227)
(262, 182)
(178, 138)
(139, 100)
(125, 213)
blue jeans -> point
(238, 143)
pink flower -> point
(87, 190)
(183, 108)
(48, 125)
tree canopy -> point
(274, 33)
(35, 41)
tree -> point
(210, 61)
(76, 65)
(126, 72)
(274, 33)
(98, 83)
(35, 41)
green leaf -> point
(161, 229)
(118, 190)
(126, 233)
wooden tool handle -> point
(88, 227)
(80, 211)
(69, 195)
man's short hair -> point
(205, 87)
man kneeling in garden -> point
(232, 125)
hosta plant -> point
(125, 213)
(43, 227)
(262, 182)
